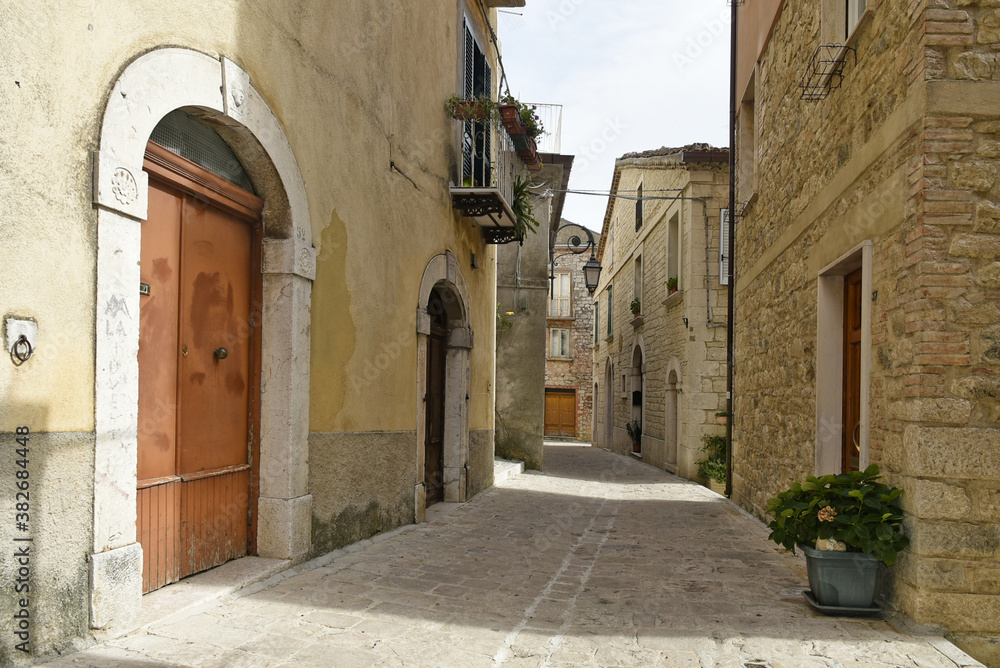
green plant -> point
(521, 207)
(635, 307)
(480, 108)
(853, 508)
(634, 429)
(714, 465)
(529, 119)
(672, 283)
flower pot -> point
(511, 119)
(671, 291)
(716, 486)
(841, 579)
(470, 110)
(721, 419)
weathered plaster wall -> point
(60, 498)
(522, 298)
(904, 155)
(358, 90)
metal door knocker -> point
(221, 353)
(21, 351)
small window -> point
(855, 9)
(637, 280)
(609, 309)
(559, 342)
(559, 303)
(597, 323)
(638, 208)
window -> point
(724, 247)
(609, 252)
(597, 323)
(559, 302)
(674, 252)
(855, 9)
(609, 309)
(477, 166)
(746, 145)
(638, 208)
(637, 280)
(558, 342)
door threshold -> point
(637, 455)
(211, 585)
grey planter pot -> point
(841, 579)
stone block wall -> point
(694, 351)
(905, 157)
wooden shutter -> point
(724, 247)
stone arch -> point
(442, 273)
(220, 93)
(609, 404)
(638, 384)
(672, 414)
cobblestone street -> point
(600, 561)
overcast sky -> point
(632, 75)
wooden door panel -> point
(851, 455)
(434, 440)
(551, 414)
(159, 268)
(567, 414)
(213, 526)
(215, 314)
(157, 526)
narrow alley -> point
(599, 561)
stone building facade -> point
(569, 356)
(315, 135)
(868, 280)
(666, 366)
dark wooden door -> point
(851, 446)
(560, 413)
(198, 360)
(436, 368)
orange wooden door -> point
(851, 446)
(198, 347)
(560, 413)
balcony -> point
(490, 166)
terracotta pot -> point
(470, 110)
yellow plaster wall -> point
(358, 87)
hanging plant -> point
(520, 118)
(524, 221)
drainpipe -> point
(731, 314)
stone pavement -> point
(600, 561)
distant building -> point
(569, 351)
(663, 366)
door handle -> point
(221, 353)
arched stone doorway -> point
(219, 93)
(444, 342)
(636, 396)
(609, 406)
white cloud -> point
(644, 73)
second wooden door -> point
(560, 413)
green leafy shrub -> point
(714, 465)
(853, 508)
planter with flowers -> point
(477, 109)
(524, 127)
(845, 524)
(671, 285)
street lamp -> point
(591, 270)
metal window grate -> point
(179, 133)
(825, 71)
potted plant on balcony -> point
(477, 109)
(524, 126)
(635, 307)
(671, 285)
(712, 469)
(845, 524)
